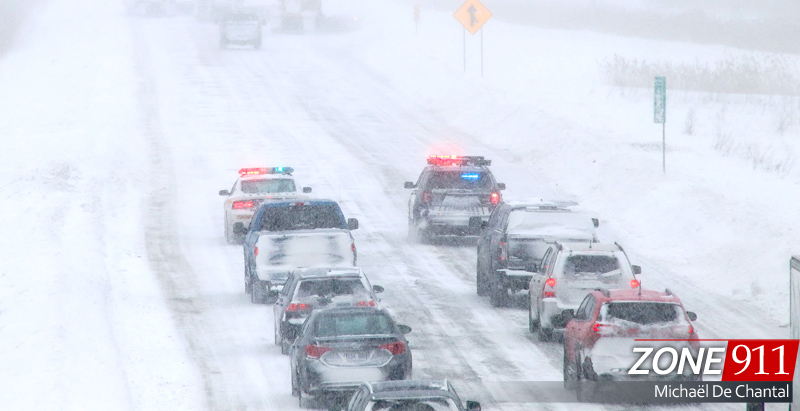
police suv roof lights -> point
(445, 160)
(250, 171)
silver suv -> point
(567, 273)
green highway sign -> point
(660, 102)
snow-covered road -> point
(120, 157)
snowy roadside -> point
(719, 222)
(84, 324)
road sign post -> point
(660, 116)
(472, 15)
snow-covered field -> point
(118, 291)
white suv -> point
(567, 273)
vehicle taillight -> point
(396, 348)
(606, 329)
(426, 197)
(494, 198)
(316, 351)
(634, 283)
(503, 252)
(299, 307)
(353, 247)
(255, 251)
(370, 303)
(549, 291)
(239, 205)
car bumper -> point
(325, 378)
(272, 278)
(239, 216)
(516, 279)
(552, 314)
(451, 223)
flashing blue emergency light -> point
(471, 176)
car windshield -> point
(525, 219)
(460, 180)
(578, 266)
(331, 287)
(641, 312)
(266, 186)
(353, 324)
(302, 217)
(427, 404)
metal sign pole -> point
(465, 50)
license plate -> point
(355, 356)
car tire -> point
(570, 371)
(481, 283)
(545, 334)
(248, 286)
(415, 235)
(277, 336)
(295, 383)
(498, 293)
(533, 325)
(257, 292)
(587, 382)
(304, 400)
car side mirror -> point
(473, 406)
(501, 186)
(352, 224)
(409, 184)
(692, 316)
(306, 190)
(377, 289)
(404, 329)
(595, 222)
(636, 269)
(224, 193)
(568, 315)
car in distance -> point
(253, 186)
(240, 28)
(449, 191)
(339, 348)
(513, 240)
(568, 272)
(319, 288)
(409, 395)
(600, 337)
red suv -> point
(599, 339)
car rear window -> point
(578, 266)
(427, 404)
(302, 217)
(460, 180)
(641, 312)
(330, 287)
(266, 186)
(353, 324)
(523, 219)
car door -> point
(497, 233)
(539, 277)
(579, 330)
(414, 199)
(283, 300)
(485, 238)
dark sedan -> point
(409, 396)
(339, 348)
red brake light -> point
(353, 247)
(370, 303)
(598, 326)
(426, 197)
(442, 160)
(299, 307)
(255, 251)
(495, 198)
(316, 351)
(551, 282)
(238, 205)
(503, 251)
(549, 294)
(396, 348)
(634, 283)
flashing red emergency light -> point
(448, 160)
(253, 171)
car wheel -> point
(304, 401)
(498, 294)
(533, 325)
(295, 389)
(570, 371)
(277, 336)
(413, 233)
(257, 292)
(248, 286)
(481, 284)
(587, 382)
(545, 334)
(285, 347)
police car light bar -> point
(443, 160)
(265, 170)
